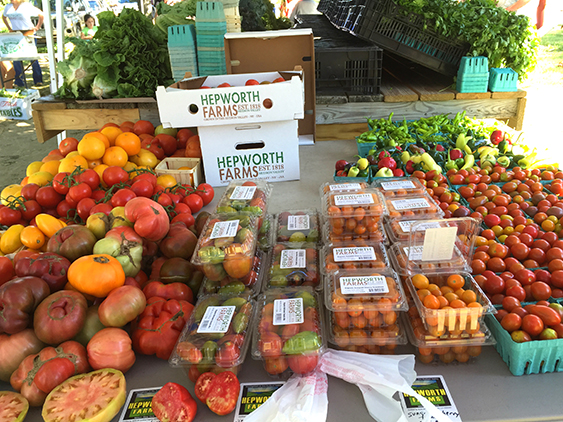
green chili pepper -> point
(301, 343)
(353, 172)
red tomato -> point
(187, 218)
(525, 276)
(143, 188)
(90, 177)
(228, 355)
(173, 402)
(220, 392)
(270, 344)
(517, 292)
(7, 271)
(537, 255)
(275, 366)
(303, 364)
(122, 196)
(195, 202)
(494, 284)
(548, 315)
(203, 385)
(509, 303)
(541, 290)
(48, 197)
(114, 175)
(543, 275)
(511, 322)
(553, 253)
(79, 192)
(150, 219)
(52, 373)
(520, 251)
(532, 324)
(205, 190)
(111, 348)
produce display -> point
(298, 226)
(293, 264)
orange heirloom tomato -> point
(96, 275)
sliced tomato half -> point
(13, 406)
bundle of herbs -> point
(507, 39)
(128, 57)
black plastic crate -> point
(328, 8)
(344, 64)
(393, 28)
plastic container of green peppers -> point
(226, 246)
(289, 334)
(229, 286)
(293, 264)
(217, 335)
(298, 226)
(249, 196)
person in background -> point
(90, 30)
(303, 7)
(514, 5)
(17, 17)
(8, 74)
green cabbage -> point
(78, 72)
(103, 88)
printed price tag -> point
(288, 311)
(415, 254)
(354, 199)
(409, 204)
(298, 222)
(365, 253)
(293, 258)
(345, 186)
(363, 285)
(224, 229)
(439, 244)
(243, 192)
(399, 184)
(216, 319)
(407, 225)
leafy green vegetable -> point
(15, 93)
(78, 72)
(176, 14)
(258, 15)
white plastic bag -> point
(300, 399)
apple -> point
(167, 131)
(252, 82)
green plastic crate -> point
(478, 64)
(181, 36)
(503, 80)
(209, 11)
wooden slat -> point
(394, 92)
(48, 105)
(340, 132)
(517, 121)
(472, 95)
(40, 131)
(86, 119)
(515, 94)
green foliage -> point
(258, 15)
(174, 15)
(507, 39)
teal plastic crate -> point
(472, 82)
(532, 357)
(209, 11)
(181, 36)
(503, 80)
(479, 64)
(340, 179)
(217, 41)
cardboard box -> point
(186, 104)
(15, 44)
(268, 151)
(18, 108)
(171, 166)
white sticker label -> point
(366, 253)
(293, 258)
(409, 204)
(288, 311)
(345, 186)
(353, 199)
(407, 225)
(243, 192)
(363, 285)
(298, 222)
(415, 254)
(439, 244)
(224, 229)
(399, 184)
(216, 319)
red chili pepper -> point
(440, 148)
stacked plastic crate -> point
(182, 50)
(473, 74)
(210, 28)
(503, 80)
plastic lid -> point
(448, 247)
(293, 264)
(333, 231)
(341, 187)
(265, 232)
(227, 245)
(397, 254)
(289, 322)
(399, 186)
(362, 290)
(249, 196)
(206, 331)
(399, 230)
(411, 207)
(466, 305)
(365, 206)
(297, 226)
(228, 286)
(352, 255)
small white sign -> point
(439, 244)
(293, 258)
(224, 229)
(363, 285)
(298, 222)
(345, 186)
(364, 253)
(396, 185)
(415, 254)
(216, 319)
(288, 311)
(243, 192)
(353, 199)
(407, 225)
(409, 204)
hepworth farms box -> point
(16, 105)
(247, 123)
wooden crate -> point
(170, 166)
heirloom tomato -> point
(150, 219)
(111, 348)
(122, 305)
(173, 402)
(15, 348)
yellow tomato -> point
(40, 178)
(50, 167)
(166, 181)
(31, 237)
(91, 148)
(10, 240)
(33, 167)
(9, 193)
(69, 163)
(145, 158)
(48, 224)
(100, 170)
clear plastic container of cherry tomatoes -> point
(249, 196)
(399, 230)
(217, 335)
(293, 264)
(399, 186)
(265, 232)
(375, 233)
(448, 348)
(341, 187)
(363, 206)
(413, 207)
(297, 226)
(373, 336)
(221, 283)
(449, 303)
(289, 332)
(227, 245)
(353, 255)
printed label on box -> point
(363, 285)
(252, 396)
(224, 229)
(399, 184)
(288, 311)
(415, 254)
(345, 186)
(354, 199)
(364, 253)
(409, 204)
(243, 192)
(439, 244)
(138, 406)
(216, 319)
(293, 258)
(298, 222)
(433, 388)
(224, 105)
(407, 225)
